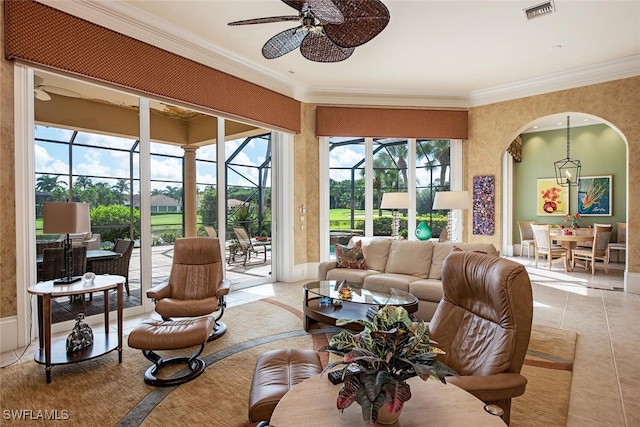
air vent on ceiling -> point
(539, 10)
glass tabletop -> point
(329, 289)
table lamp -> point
(451, 200)
(66, 218)
(395, 201)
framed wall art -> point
(552, 199)
(484, 222)
(594, 196)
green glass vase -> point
(423, 232)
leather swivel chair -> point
(483, 323)
(196, 286)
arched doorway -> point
(602, 149)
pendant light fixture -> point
(567, 170)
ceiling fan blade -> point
(326, 11)
(363, 20)
(265, 20)
(41, 95)
(283, 42)
(60, 91)
(296, 4)
(319, 48)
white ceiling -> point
(433, 53)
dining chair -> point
(543, 246)
(598, 251)
(621, 244)
(526, 236)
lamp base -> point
(67, 280)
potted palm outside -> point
(378, 361)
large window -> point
(390, 172)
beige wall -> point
(493, 127)
(7, 189)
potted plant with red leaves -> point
(390, 350)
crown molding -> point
(407, 98)
(127, 20)
(592, 74)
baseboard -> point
(306, 271)
(8, 333)
(632, 282)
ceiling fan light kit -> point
(329, 30)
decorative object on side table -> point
(386, 353)
(423, 232)
(81, 335)
(345, 291)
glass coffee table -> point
(323, 303)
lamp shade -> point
(395, 201)
(452, 200)
(66, 217)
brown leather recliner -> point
(483, 323)
(196, 286)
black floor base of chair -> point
(218, 330)
(196, 368)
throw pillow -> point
(350, 257)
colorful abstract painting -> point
(594, 196)
(552, 198)
(484, 222)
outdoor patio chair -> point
(244, 247)
(119, 266)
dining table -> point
(570, 241)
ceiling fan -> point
(329, 30)
(42, 91)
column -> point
(190, 193)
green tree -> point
(437, 149)
(209, 206)
(46, 183)
(83, 182)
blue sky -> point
(53, 158)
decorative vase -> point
(423, 232)
(386, 418)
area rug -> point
(106, 393)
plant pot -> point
(386, 418)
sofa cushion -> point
(351, 275)
(375, 251)
(383, 282)
(427, 290)
(411, 257)
(350, 257)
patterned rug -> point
(104, 392)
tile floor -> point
(604, 389)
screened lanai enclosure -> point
(87, 148)
(391, 172)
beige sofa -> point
(409, 265)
